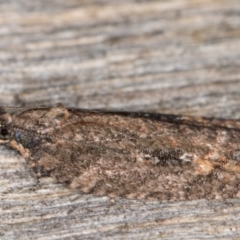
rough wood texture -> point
(177, 56)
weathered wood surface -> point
(179, 57)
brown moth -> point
(132, 155)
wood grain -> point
(178, 57)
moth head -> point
(5, 125)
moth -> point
(127, 154)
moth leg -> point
(26, 154)
(19, 147)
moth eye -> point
(4, 133)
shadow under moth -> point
(125, 154)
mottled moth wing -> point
(133, 155)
